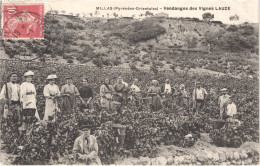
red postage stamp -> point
(23, 21)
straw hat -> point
(223, 90)
(29, 73)
(52, 76)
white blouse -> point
(28, 95)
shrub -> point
(70, 61)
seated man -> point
(86, 148)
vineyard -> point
(146, 131)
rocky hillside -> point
(164, 43)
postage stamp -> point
(23, 21)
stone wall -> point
(201, 153)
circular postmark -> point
(23, 35)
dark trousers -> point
(200, 105)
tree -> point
(71, 13)
(56, 12)
(248, 42)
(234, 18)
(115, 15)
(148, 13)
(191, 41)
(213, 38)
(246, 30)
(63, 11)
(77, 14)
(232, 28)
(232, 41)
(207, 17)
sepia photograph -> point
(150, 82)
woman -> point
(51, 92)
(69, 93)
(106, 94)
(183, 96)
(155, 91)
(28, 101)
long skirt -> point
(68, 104)
(156, 103)
(105, 103)
(51, 107)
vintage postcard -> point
(149, 82)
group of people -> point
(20, 102)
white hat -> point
(52, 76)
(29, 73)
(224, 89)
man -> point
(135, 91)
(126, 84)
(166, 88)
(10, 94)
(199, 97)
(134, 87)
(86, 148)
(86, 95)
(69, 92)
(183, 96)
(231, 109)
(223, 101)
(119, 89)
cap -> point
(13, 73)
(68, 77)
(52, 76)
(86, 127)
(29, 73)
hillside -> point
(149, 43)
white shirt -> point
(126, 84)
(14, 89)
(135, 88)
(167, 88)
(28, 95)
(200, 93)
(231, 109)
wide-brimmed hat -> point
(52, 76)
(29, 73)
(223, 90)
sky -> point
(247, 10)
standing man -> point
(199, 97)
(223, 101)
(86, 148)
(135, 91)
(166, 88)
(86, 95)
(183, 96)
(10, 94)
(119, 89)
(69, 92)
(231, 109)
